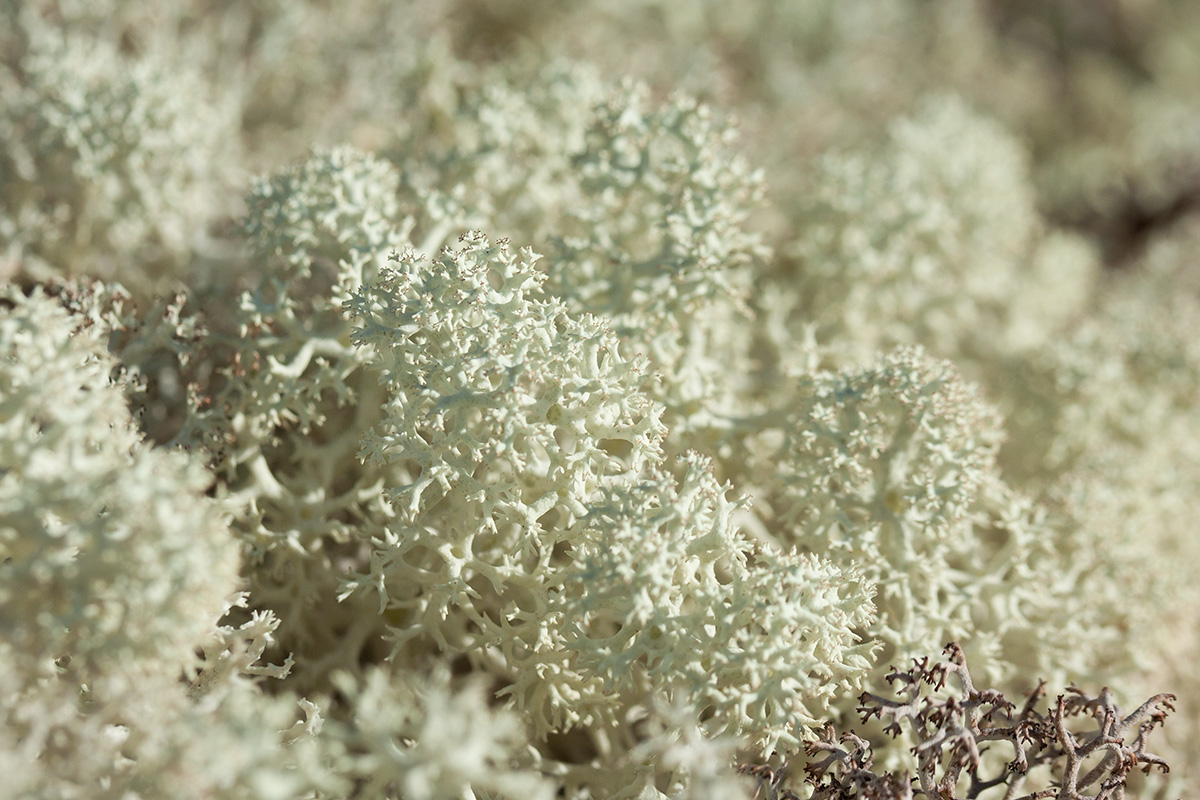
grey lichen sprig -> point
(952, 733)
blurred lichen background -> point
(525, 399)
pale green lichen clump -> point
(588, 401)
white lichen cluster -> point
(530, 427)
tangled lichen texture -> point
(504, 399)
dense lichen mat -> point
(624, 399)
